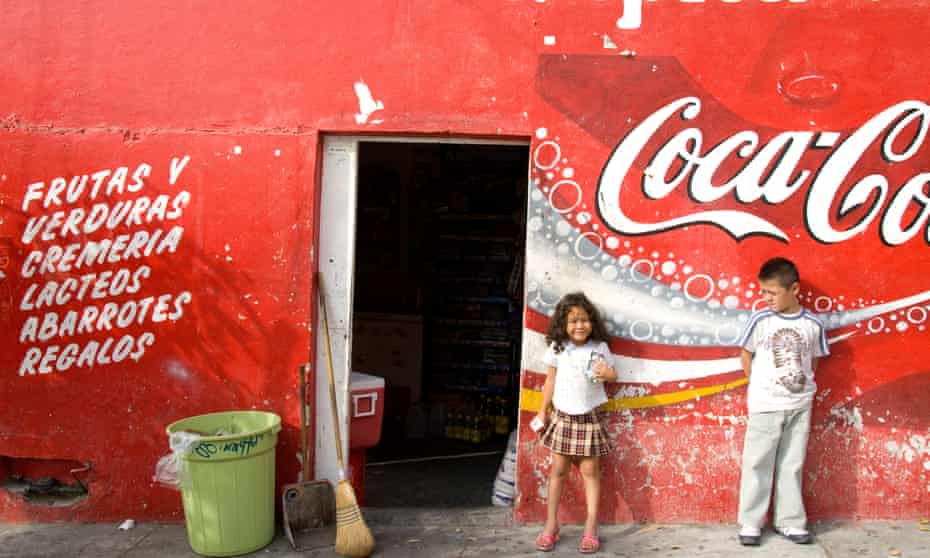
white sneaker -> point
(750, 536)
(795, 535)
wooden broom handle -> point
(329, 369)
(304, 456)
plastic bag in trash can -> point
(168, 470)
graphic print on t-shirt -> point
(787, 346)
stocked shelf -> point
(472, 342)
(475, 238)
(494, 390)
(470, 323)
(478, 299)
(475, 217)
(471, 366)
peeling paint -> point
(914, 448)
(366, 102)
(850, 417)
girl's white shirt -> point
(574, 392)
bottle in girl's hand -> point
(592, 362)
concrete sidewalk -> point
(480, 532)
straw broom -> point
(353, 538)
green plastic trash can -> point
(229, 499)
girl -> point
(578, 362)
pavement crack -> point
(136, 544)
(826, 551)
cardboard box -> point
(390, 346)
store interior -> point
(438, 313)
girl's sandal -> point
(545, 543)
(589, 544)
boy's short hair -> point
(782, 270)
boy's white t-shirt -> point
(783, 347)
(574, 392)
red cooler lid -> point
(359, 381)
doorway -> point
(437, 312)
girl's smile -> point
(578, 325)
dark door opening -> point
(438, 314)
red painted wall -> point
(246, 93)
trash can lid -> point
(362, 381)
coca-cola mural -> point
(678, 147)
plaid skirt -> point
(578, 435)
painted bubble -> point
(669, 268)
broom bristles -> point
(353, 539)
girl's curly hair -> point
(557, 334)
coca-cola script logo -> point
(774, 171)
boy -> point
(780, 345)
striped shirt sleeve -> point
(747, 340)
(822, 348)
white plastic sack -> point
(169, 470)
(504, 486)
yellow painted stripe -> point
(531, 400)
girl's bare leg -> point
(591, 473)
(560, 467)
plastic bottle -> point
(475, 429)
(502, 420)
